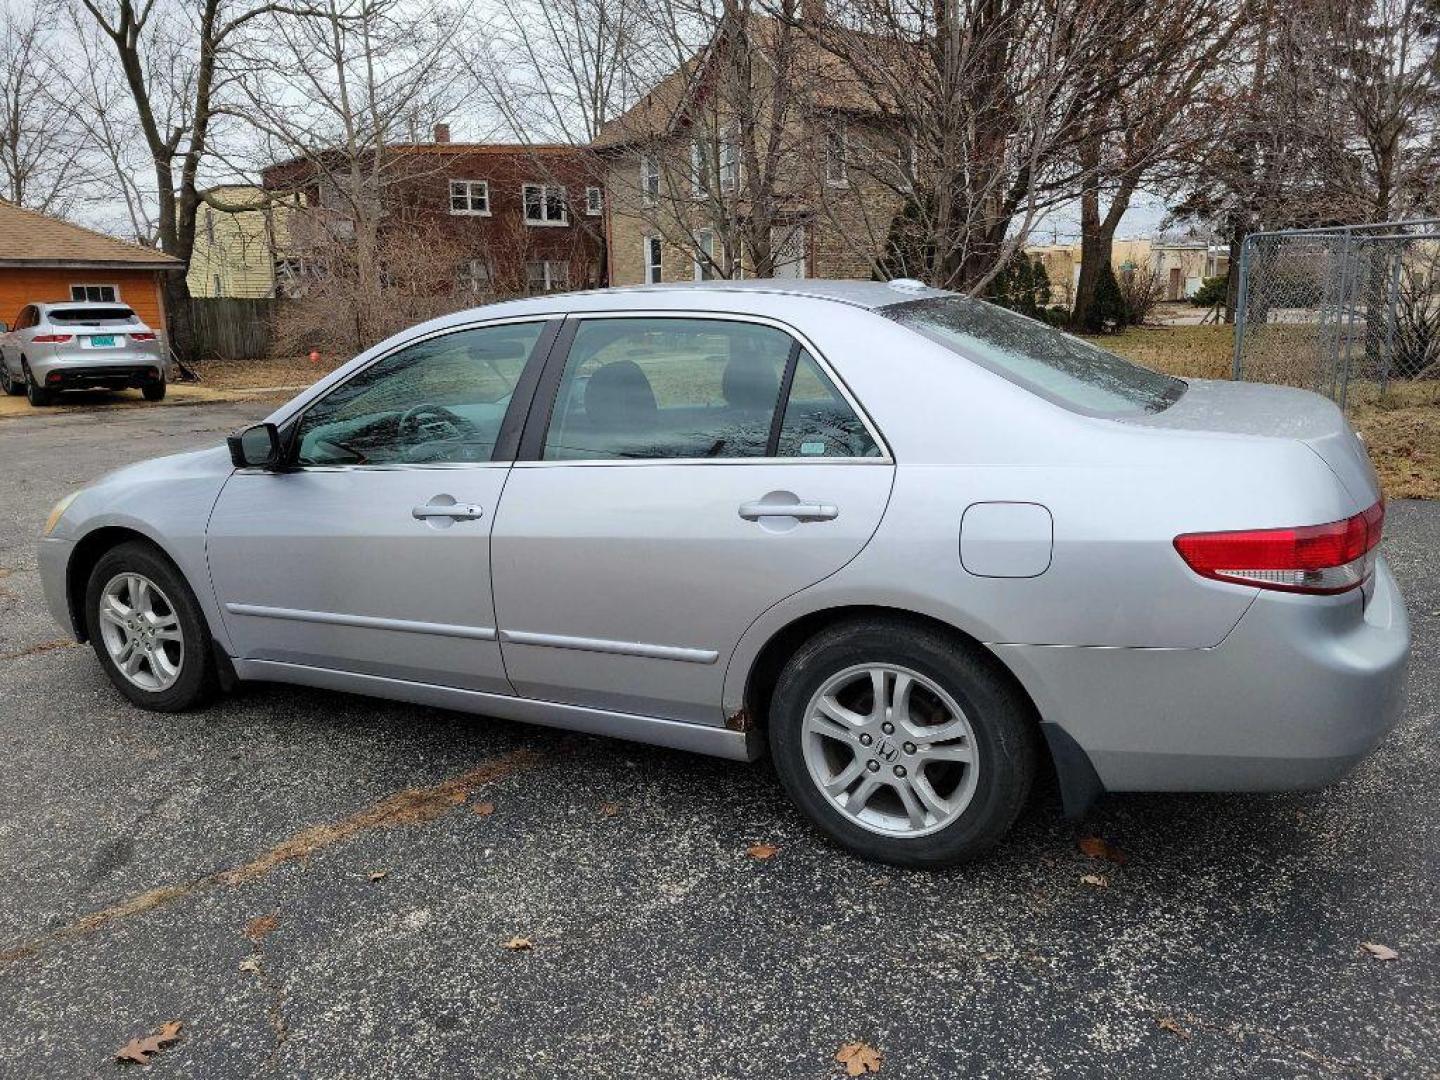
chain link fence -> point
(1344, 311)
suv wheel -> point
(901, 743)
(148, 631)
(154, 391)
(37, 394)
(8, 383)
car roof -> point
(698, 296)
(864, 294)
(65, 305)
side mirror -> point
(256, 447)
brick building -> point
(493, 220)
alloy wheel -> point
(141, 631)
(890, 749)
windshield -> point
(1064, 369)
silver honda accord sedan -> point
(918, 546)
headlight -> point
(58, 512)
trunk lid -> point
(1280, 412)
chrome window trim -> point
(886, 457)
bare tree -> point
(42, 152)
(1385, 59)
(171, 57)
(331, 96)
(993, 97)
(1159, 80)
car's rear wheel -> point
(148, 631)
(8, 383)
(902, 743)
(154, 391)
(37, 394)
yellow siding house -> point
(236, 253)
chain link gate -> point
(1342, 311)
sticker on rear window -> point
(810, 448)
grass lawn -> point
(1402, 429)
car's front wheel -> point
(148, 630)
(902, 743)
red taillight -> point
(1321, 559)
(142, 337)
(51, 339)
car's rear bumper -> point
(1300, 691)
(129, 369)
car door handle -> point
(456, 511)
(754, 511)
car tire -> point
(8, 383)
(37, 395)
(167, 677)
(958, 702)
(154, 392)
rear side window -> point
(696, 388)
(92, 315)
(1061, 368)
(818, 421)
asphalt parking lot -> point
(311, 884)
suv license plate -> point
(102, 341)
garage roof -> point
(30, 238)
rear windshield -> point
(1064, 369)
(90, 315)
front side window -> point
(545, 204)
(1061, 368)
(469, 197)
(439, 401)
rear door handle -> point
(754, 511)
(456, 511)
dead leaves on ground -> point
(141, 1050)
(262, 925)
(1095, 881)
(483, 809)
(1378, 951)
(859, 1058)
(761, 852)
(609, 809)
(378, 875)
(1167, 1023)
(518, 944)
(1099, 848)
